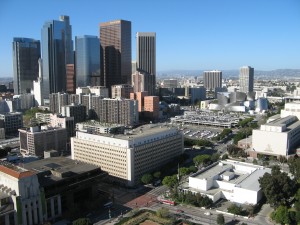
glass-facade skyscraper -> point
(246, 79)
(26, 53)
(115, 49)
(87, 60)
(57, 51)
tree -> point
(294, 166)
(220, 219)
(234, 209)
(184, 171)
(277, 187)
(82, 221)
(192, 169)
(215, 157)
(162, 212)
(225, 156)
(281, 215)
(147, 178)
(170, 181)
(201, 160)
(157, 174)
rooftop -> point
(14, 171)
(50, 170)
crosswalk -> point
(158, 191)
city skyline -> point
(196, 35)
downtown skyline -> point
(202, 35)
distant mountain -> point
(279, 73)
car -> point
(207, 213)
(179, 211)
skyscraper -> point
(246, 79)
(57, 51)
(87, 57)
(146, 56)
(212, 79)
(26, 53)
(115, 49)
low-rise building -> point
(11, 122)
(47, 189)
(127, 157)
(95, 127)
(279, 137)
(232, 180)
(36, 140)
(21, 200)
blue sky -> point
(191, 34)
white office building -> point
(280, 136)
(127, 157)
(232, 180)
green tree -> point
(220, 219)
(170, 181)
(162, 212)
(157, 174)
(215, 157)
(294, 166)
(147, 178)
(192, 169)
(184, 171)
(234, 209)
(281, 215)
(277, 187)
(82, 221)
(200, 160)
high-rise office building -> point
(87, 59)
(212, 79)
(115, 49)
(26, 53)
(146, 52)
(146, 57)
(57, 52)
(246, 79)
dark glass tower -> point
(115, 49)
(146, 57)
(57, 51)
(87, 60)
(26, 53)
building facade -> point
(231, 180)
(151, 107)
(11, 122)
(146, 57)
(26, 53)
(20, 196)
(212, 79)
(57, 52)
(71, 78)
(121, 91)
(246, 79)
(128, 157)
(78, 112)
(36, 140)
(115, 49)
(143, 81)
(87, 57)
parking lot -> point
(201, 133)
(207, 118)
